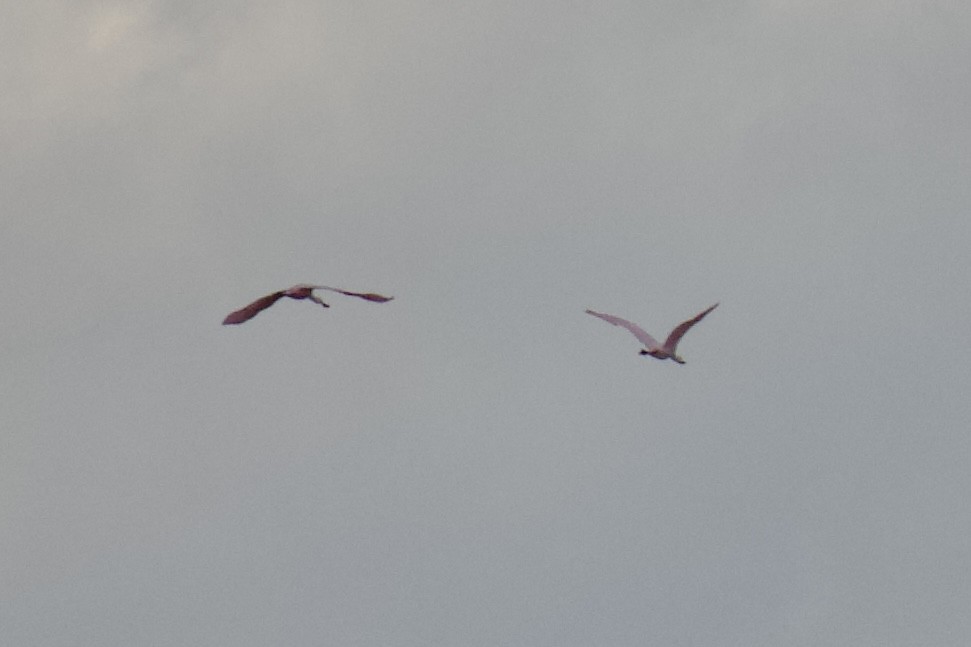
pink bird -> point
(654, 349)
(301, 291)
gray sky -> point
(478, 463)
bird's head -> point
(678, 359)
(300, 291)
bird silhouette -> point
(300, 291)
(668, 349)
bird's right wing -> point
(671, 343)
(368, 296)
(253, 309)
(638, 332)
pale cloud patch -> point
(77, 65)
(110, 26)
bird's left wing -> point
(638, 332)
(253, 309)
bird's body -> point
(667, 350)
(299, 291)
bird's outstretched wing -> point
(369, 296)
(671, 343)
(253, 309)
(638, 332)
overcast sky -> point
(478, 462)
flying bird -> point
(301, 291)
(654, 349)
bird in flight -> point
(301, 291)
(654, 349)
